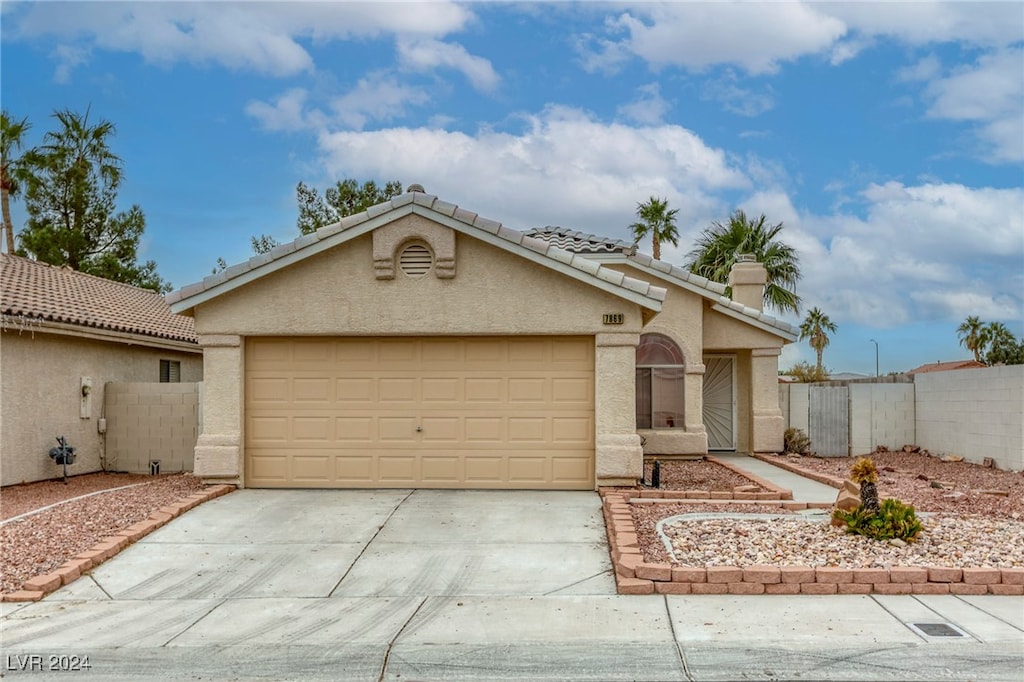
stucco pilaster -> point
(218, 453)
(619, 455)
(767, 425)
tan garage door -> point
(420, 412)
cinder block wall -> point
(881, 414)
(974, 413)
(151, 421)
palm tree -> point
(11, 133)
(719, 247)
(656, 221)
(816, 327)
(974, 336)
(999, 340)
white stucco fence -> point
(974, 413)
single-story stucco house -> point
(418, 344)
(64, 336)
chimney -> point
(747, 279)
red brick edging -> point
(39, 586)
(635, 576)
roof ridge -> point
(76, 273)
(431, 202)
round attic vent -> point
(416, 259)
(415, 187)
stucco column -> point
(619, 456)
(693, 414)
(768, 425)
(218, 449)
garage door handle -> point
(419, 428)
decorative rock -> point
(846, 500)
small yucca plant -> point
(865, 473)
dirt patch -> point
(41, 542)
(929, 483)
(699, 474)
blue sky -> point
(887, 137)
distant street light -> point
(876, 355)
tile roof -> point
(574, 264)
(580, 242)
(589, 244)
(947, 366)
(44, 292)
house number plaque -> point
(614, 318)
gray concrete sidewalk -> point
(804, 489)
(399, 585)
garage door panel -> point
(403, 390)
(310, 390)
(396, 429)
(531, 470)
(354, 390)
(493, 412)
(355, 470)
(400, 469)
(311, 468)
(442, 430)
(269, 390)
(440, 390)
(354, 430)
(571, 391)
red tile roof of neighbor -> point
(946, 366)
(39, 291)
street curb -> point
(37, 587)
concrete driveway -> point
(372, 585)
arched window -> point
(659, 383)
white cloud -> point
(287, 113)
(922, 23)
(739, 100)
(991, 94)
(563, 168)
(376, 98)
(427, 54)
(260, 37)
(753, 36)
(648, 108)
(925, 252)
(924, 69)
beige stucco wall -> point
(337, 293)
(689, 320)
(40, 396)
(151, 421)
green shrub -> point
(795, 440)
(892, 520)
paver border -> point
(37, 587)
(635, 576)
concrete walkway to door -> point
(471, 585)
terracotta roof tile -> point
(54, 294)
(947, 366)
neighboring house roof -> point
(47, 293)
(429, 206)
(619, 252)
(580, 242)
(947, 366)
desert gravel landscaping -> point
(39, 543)
(973, 518)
